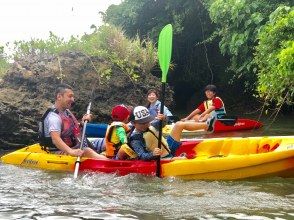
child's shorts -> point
(173, 145)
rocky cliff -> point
(27, 90)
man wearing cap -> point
(144, 138)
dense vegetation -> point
(206, 30)
(245, 47)
(275, 57)
(106, 42)
(194, 64)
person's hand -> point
(76, 152)
(160, 116)
(156, 152)
(201, 118)
(87, 117)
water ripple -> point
(35, 194)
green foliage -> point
(54, 45)
(4, 64)
(191, 24)
(125, 15)
(238, 23)
(110, 43)
(275, 57)
(197, 42)
(148, 17)
(107, 42)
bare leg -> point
(179, 126)
(205, 117)
(88, 152)
(196, 117)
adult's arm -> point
(61, 145)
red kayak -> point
(237, 124)
(224, 124)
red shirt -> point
(216, 102)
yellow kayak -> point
(213, 159)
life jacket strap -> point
(46, 142)
(165, 147)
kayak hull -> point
(239, 125)
(233, 168)
(210, 159)
(34, 157)
(223, 125)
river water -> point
(36, 194)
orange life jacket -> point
(113, 144)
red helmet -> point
(120, 113)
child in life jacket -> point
(144, 138)
(116, 139)
(212, 107)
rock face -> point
(28, 90)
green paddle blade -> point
(165, 49)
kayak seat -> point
(267, 145)
(235, 147)
(209, 148)
(226, 147)
(253, 146)
(228, 120)
(275, 144)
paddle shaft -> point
(164, 56)
(158, 167)
(78, 161)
